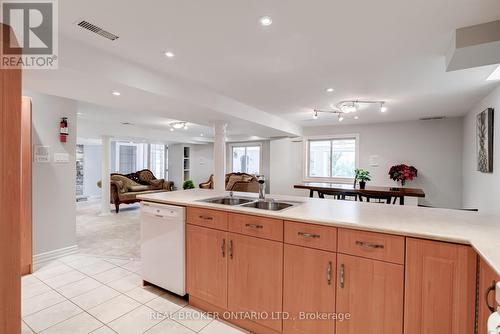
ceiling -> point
(265, 81)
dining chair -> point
(376, 199)
(338, 195)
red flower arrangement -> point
(403, 173)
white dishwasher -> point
(163, 246)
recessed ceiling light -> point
(171, 129)
(341, 118)
(116, 93)
(383, 108)
(169, 54)
(329, 90)
(495, 75)
(201, 134)
(266, 21)
(356, 117)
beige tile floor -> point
(82, 294)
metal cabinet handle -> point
(365, 244)
(206, 217)
(342, 276)
(231, 249)
(488, 291)
(256, 226)
(309, 235)
(223, 247)
(159, 216)
(329, 273)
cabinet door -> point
(309, 287)
(487, 281)
(440, 288)
(255, 279)
(371, 292)
(206, 264)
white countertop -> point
(480, 231)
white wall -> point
(433, 147)
(54, 211)
(202, 162)
(92, 159)
(481, 190)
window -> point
(331, 159)
(246, 159)
(157, 160)
(130, 157)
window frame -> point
(245, 145)
(305, 155)
(142, 155)
(150, 160)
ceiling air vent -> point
(97, 30)
(435, 118)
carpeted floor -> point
(116, 235)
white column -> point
(220, 156)
(105, 176)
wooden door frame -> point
(10, 196)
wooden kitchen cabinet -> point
(309, 286)
(371, 291)
(255, 278)
(487, 281)
(440, 288)
(206, 264)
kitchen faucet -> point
(262, 180)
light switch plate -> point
(61, 157)
(373, 160)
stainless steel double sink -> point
(246, 202)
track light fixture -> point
(178, 125)
(344, 108)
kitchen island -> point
(392, 268)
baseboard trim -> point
(40, 259)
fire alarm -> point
(63, 129)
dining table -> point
(391, 194)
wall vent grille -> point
(97, 30)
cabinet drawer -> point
(208, 218)
(267, 228)
(309, 235)
(377, 246)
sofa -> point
(235, 182)
(126, 188)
